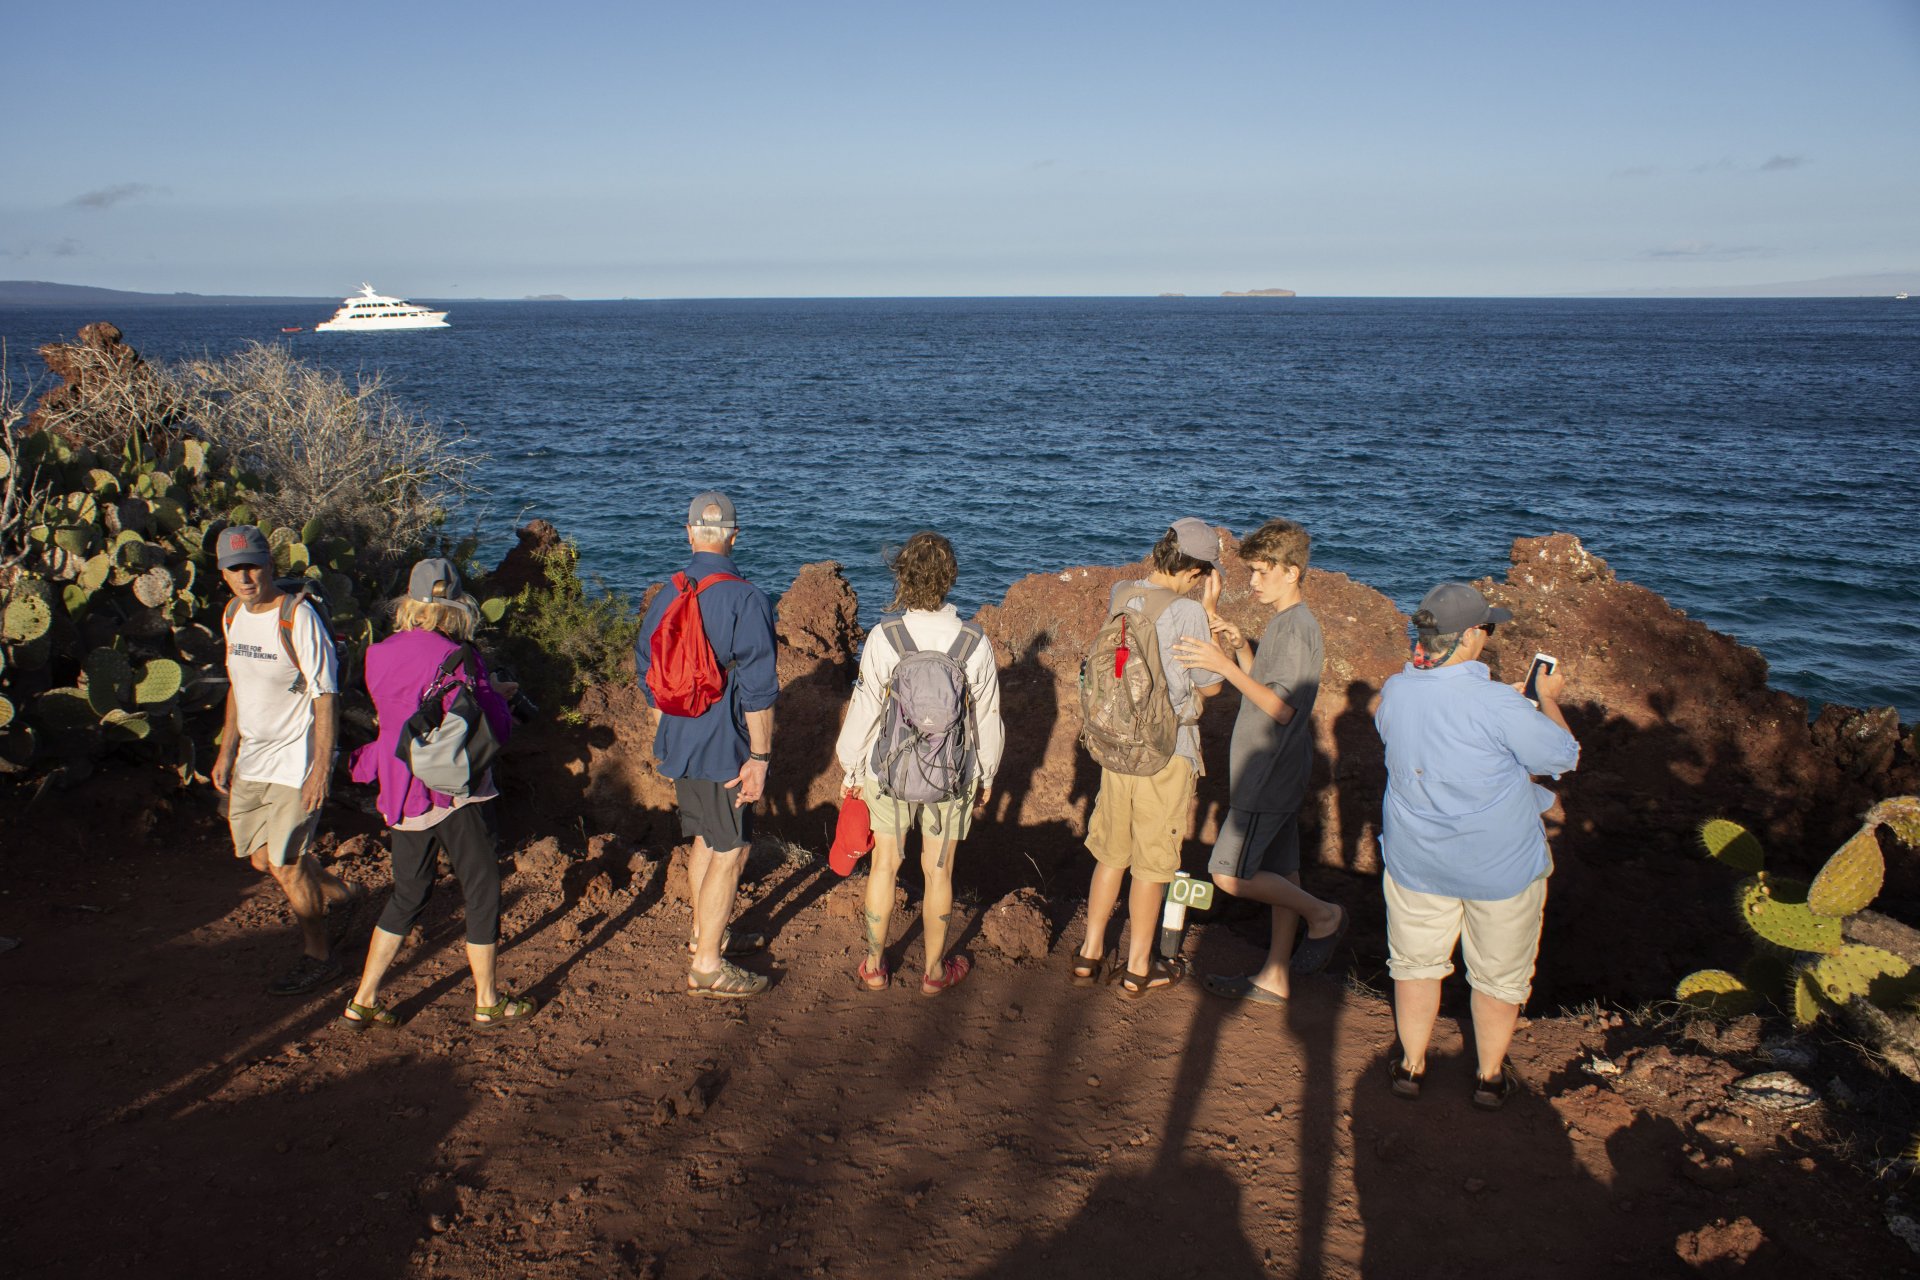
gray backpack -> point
(449, 743)
(1128, 720)
(928, 748)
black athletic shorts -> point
(707, 810)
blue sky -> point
(837, 149)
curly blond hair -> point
(923, 572)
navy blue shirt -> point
(738, 619)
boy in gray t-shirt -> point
(1257, 855)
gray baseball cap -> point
(430, 573)
(243, 544)
(1198, 539)
(1457, 607)
(696, 511)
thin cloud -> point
(63, 248)
(107, 197)
(1779, 164)
(1703, 251)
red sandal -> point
(951, 972)
(873, 979)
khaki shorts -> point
(1138, 823)
(1499, 940)
(270, 814)
(944, 820)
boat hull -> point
(384, 324)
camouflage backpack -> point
(1128, 720)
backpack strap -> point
(226, 618)
(1158, 601)
(680, 580)
(969, 639)
(289, 605)
(895, 630)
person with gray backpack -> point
(1140, 716)
(920, 744)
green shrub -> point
(561, 637)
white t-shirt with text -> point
(275, 712)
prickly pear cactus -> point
(1852, 877)
(1777, 910)
(1718, 992)
(1861, 971)
(1900, 815)
(1732, 844)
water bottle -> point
(1173, 919)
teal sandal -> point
(510, 1009)
(363, 1016)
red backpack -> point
(681, 672)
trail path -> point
(169, 1119)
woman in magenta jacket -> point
(435, 619)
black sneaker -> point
(306, 974)
(1491, 1095)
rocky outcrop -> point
(1677, 723)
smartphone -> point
(1542, 663)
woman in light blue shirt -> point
(1466, 854)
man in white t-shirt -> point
(276, 752)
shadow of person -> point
(1182, 1215)
(1359, 773)
(1446, 1190)
(1030, 710)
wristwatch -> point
(761, 756)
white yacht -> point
(370, 312)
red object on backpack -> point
(682, 674)
(852, 835)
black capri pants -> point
(470, 848)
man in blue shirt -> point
(1466, 854)
(718, 759)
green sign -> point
(1197, 894)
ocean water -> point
(1752, 461)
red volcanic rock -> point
(525, 565)
(818, 620)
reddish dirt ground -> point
(170, 1119)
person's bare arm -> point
(222, 775)
(1205, 655)
(751, 781)
(322, 737)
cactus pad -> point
(1732, 844)
(109, 680)
(6, 712)
(63, 710)
(126, 725)
(1901, 814)
(27, 617)
(154, 587)
(1851, 877)
(1777, 910)
(74, 539)
(93, 574)
(1807, 1005)
(1716, 991)
(159, 682)
(494, 609)
(1859, 971)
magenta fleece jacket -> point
(399, 671)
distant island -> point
(1173, 295)
(42, 293)
(1260, 293)
(546, 297)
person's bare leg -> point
(309, 906)
(697, 863)
(1493, 1024)
(381, 949)
(332, 887)
(1321, 917)
(480, 960)
(1274, 975)
(1416, 1003)
(936, 910)
(1144, 901)
(714, 904)
(882, 874)
(1103, 895)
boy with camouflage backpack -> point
(920, 744)
(1140, 713)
